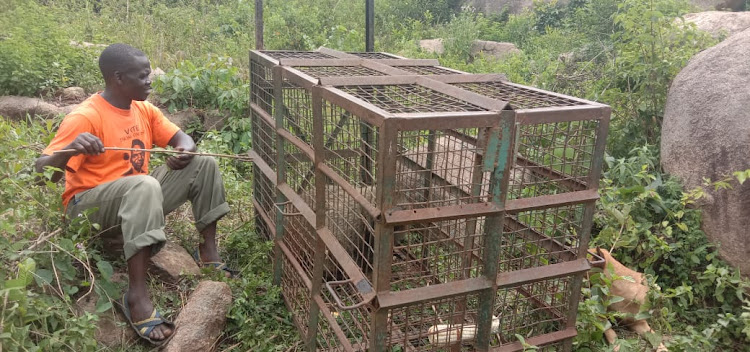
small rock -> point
(172, 261)
(112, 330)
(156, 73)
(73, 93)
(497, 50)
(432, 46)
(203, 318)
(184, 118)
(213, 120)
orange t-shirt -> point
(142, 126)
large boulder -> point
(492, 49)
(435, 46)
(720, 22)
(512, 6)
(706, 133)
(16, 108)
(731, 5)
(518, 6)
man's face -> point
(134, 81)
(137, 158)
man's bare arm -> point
(85, 143)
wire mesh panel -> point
(535, 238)
(553, 158)
(519, 97)
(338, 71)
(297, 112)
(338, 295)
(409, 98)
(299, 240)
(288, 54)
(264, 193)
(427, 254)
(433, 325)
(438, 168)
(296, 294)
(428, 70)
(375, 56)
(261, 86)
(532, 309)
(351, 147)
(263, 137)
(300, 174)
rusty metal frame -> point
(493, 115)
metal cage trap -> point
(418, 208)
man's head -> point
(125, 70)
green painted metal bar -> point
(280, 172)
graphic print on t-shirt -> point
(137, 158)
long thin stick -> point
(167, 151)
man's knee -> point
(207, 163)
(145, 185)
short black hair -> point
(115, 57)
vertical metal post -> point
(497, 153)
(278, 114)
(369, 25)
(259, 25)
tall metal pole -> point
(369, 25)
(259, 25)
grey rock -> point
(706, 133)
(183, 118)
(173, 261)
(16, 108)
(203, 318)
(112, 329)
(731, 5)
(432, 46)
(76, 94)
(496, 50)
(720, 22)
(512, 6)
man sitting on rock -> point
(117, 184)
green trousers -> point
(138, 204)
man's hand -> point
(182, 142)
(178, 162)
(86, 143)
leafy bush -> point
(35, 54)
(45, 266)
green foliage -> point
(45, 266)
(35, 54)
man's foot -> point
(141, 309)
(208, 255)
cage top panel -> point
(375, 56)
(338, 71)
(409, 98)
(518, 97)
(288, 54)
(427, 70)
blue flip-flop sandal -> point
(214, 265)
(144, 327)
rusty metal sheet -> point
(402, 217)
(538, 340)
(336, 53)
